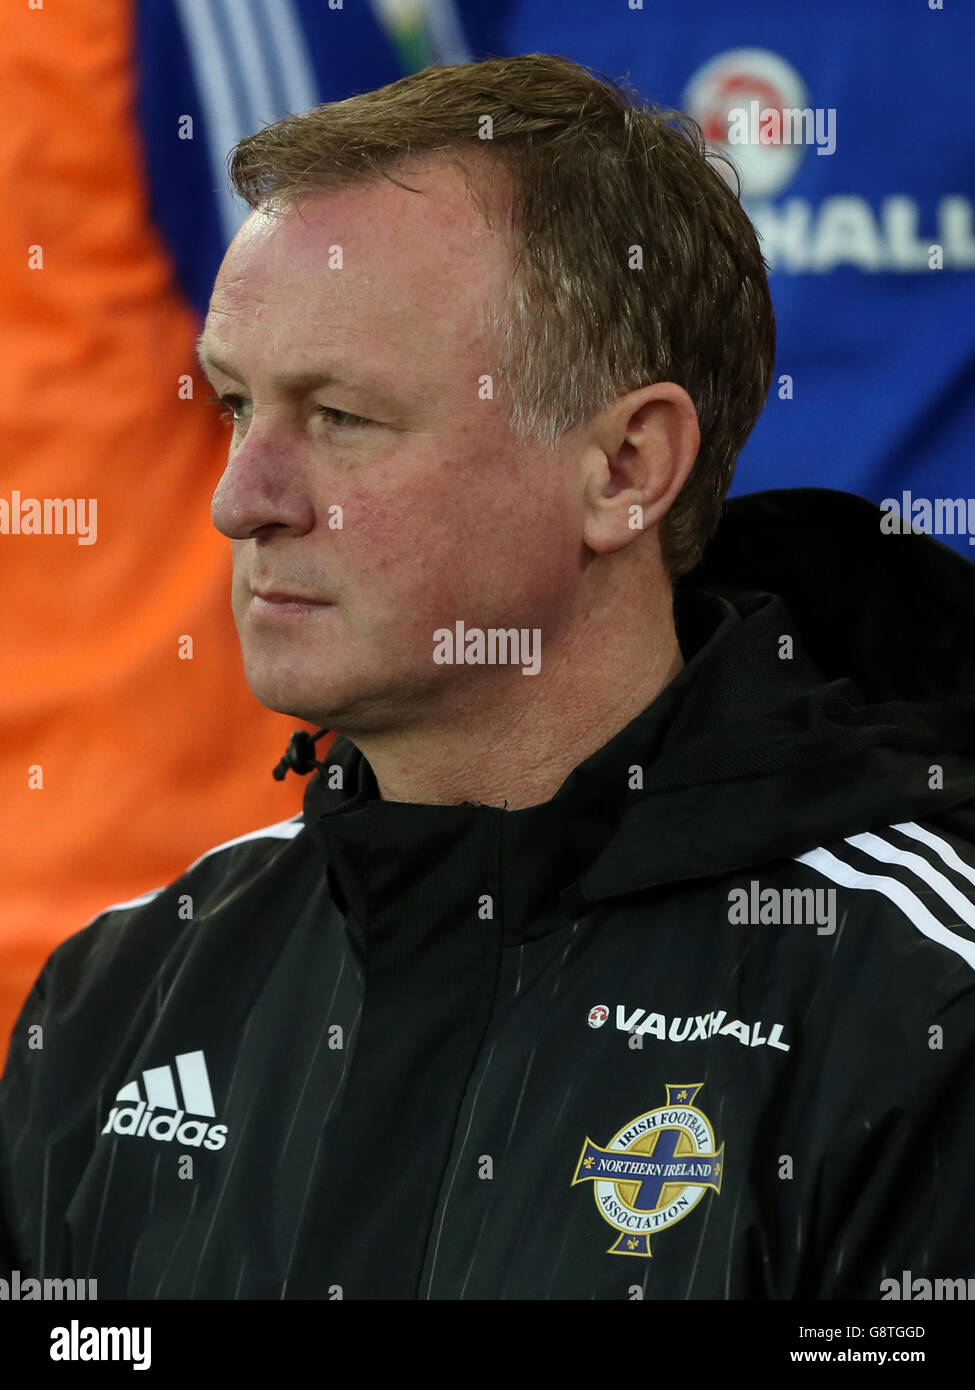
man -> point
(624, 947)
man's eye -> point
(230, 406)
(341, 418)
(227, 406)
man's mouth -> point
(280, 603)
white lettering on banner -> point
(681, 1029)
(800, 236)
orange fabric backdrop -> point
(146, 759)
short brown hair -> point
(600, 180)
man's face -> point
(444, 515)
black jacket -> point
(573, 1051)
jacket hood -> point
(829, 688)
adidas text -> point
(141, 1121)
(136, 1115)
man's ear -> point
(640, 452)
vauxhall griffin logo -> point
(753, 108)
(654, 1171)
(740, 80)
(188, 1123)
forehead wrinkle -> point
(275, 263)
(383, 391)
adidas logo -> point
(135, 1114)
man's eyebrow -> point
(296, 381)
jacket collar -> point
(527, 862)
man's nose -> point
(262, 486)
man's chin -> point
(374, 703)
(313, 706)
(355, 707)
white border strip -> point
(295, 70)
(281, 830)
(827, 864)
(224, 122)
(447, 33)
(887, 853)
(940, 847)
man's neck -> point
(515, 744)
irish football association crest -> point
(654, 1171)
